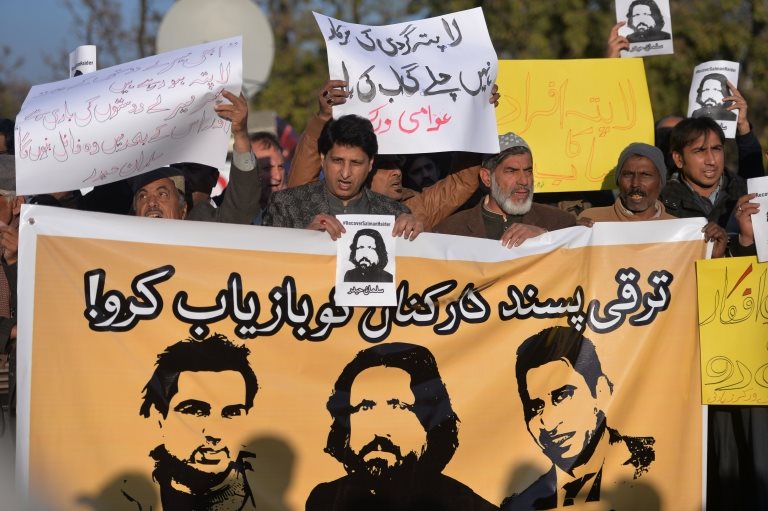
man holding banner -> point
(160, 193)
(347, 146)
(508, 213)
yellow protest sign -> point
(577, 116)
(733, 328)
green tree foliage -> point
(301, 67)
(13, 89)
(704, 30)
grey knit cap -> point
(507, 141)
(653, 153)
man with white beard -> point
(508, 213)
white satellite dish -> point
(192, 22)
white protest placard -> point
(709, 87)
(365, 261)
(759, 186)
(82, 60)
(424, 84)
(128, 119)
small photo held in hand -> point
(648, 27)
(365, 261)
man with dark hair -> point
(394, 430)
(199, 393)
(702, 186)
(369, 255)
(711, 94)
(347, 146)
(646, 21)
(564, 393)
(508, 213)
(430, 205)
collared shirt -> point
(583, 485)
(358, 206)
(706, 203)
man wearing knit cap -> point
(508, 213)
(640, 176)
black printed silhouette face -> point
(365, 252)
(642, 19)
(385, 433)
(564, 415)
(205, 417)
(711, 93)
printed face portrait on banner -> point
(394, 430)
(200, 394)
(564, 395)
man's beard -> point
(506, 203)
(591, 439)
(168, 467)
(376, 471)
(365, 264)
(642, 27)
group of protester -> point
(337, 169)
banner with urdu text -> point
(180, 365)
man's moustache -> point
(637, 191)
(380, 443)
(205, 451)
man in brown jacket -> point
(508, 213)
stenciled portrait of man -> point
(199, 395)
(368, 254)
(394, 431)
(564, 394)
(646, 21)
(710, 95)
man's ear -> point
(184, 210)
(603, 392)
(485, 176)
(678, 159)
